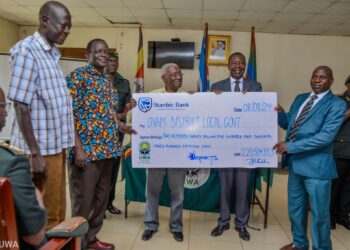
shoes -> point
(243, 233)
(99, 245)
(147, 234)
(218, 230)
(290, 247)
(113, 210)
(344, 222)
(178, 236)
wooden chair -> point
(8, 226)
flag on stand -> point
(261, 173)
(204, 84)
(251, 69)
(139, 77)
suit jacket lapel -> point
(228, 85)
(245, 85)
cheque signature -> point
(193, 157)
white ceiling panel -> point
(222, 14)
(292, 18)
(84, 11)
(7, 2)
(149, 12)
(276, 16)
(301, 6)
(282, 25)
(183, 4)
(37, 3)
(265, 5)
(339, 8)
(143, 4)
(17, 10)
(184, 13)
(332, 19)
(74, 3)
(117, 12)
(223, 5)
(256, 16)
(344, 29)
(106, 3)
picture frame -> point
(218, 49)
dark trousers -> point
(89, 190)
(340, 198)
(115, 171)
(234, 183)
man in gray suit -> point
(234, 181)
(172, 78)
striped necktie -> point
(237, 89)
(304, 112)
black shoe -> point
(243, 233)
(218, 230)
(113, 210)
(344, 222)
(147, 234)
(178, 236)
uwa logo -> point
(8, 244)
(196, 177)
(145, 104)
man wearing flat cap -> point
(122, 86)
(340, 198)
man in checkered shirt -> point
(44, 125)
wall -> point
(8, 34)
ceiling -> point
(313, 17)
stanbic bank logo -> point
(196, 177)
(145, 104)
(145, 149)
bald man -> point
(44, 125)
(312, 124)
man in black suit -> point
(234, 181)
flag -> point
(261, 173)
(251, 69)
(204, 84)
(139, 77)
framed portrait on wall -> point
(218, 49)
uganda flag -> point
(139, 77)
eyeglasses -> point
(6, 106)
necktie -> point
(304, 112)
(237, 89)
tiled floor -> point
(126, 233)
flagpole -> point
(139, 76)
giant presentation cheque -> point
(204, 130)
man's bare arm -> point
(37, 162)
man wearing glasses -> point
(172, 78)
